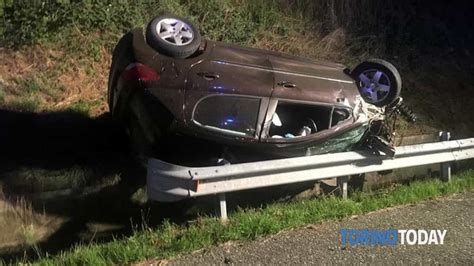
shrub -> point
(237, 21)
(27, 22)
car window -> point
(230, 114)
(292, 120)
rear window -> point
(229, 114)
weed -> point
(28, 233)
(23, 226)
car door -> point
(307, 102)
(227, 94)
(305, 80)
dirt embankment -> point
(40, 78)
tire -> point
(378, 81)
(180, 43)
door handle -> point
(208, 75)
(286, 84)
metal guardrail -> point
(169, 182)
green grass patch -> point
(2, 96)
(26, 104)
(30, 91)
(28, 85)
(247, 224)
(83, 107)
(34, 180)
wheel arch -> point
(122, 56)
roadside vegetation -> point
(171, 239)
(56, 53)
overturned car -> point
(188, 100)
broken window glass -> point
(292, 120)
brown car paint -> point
(232, 70)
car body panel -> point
(323, 85)
(247, 73)
(231, 79)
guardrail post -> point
(222, 207)
(342, 183)
(445, 168)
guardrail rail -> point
(168, 182)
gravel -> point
(321, 243)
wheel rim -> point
(174, 31)
(375, 85)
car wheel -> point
(378, 81)
(173, 36)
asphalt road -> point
(321, 243)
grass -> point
(83, 107)
(21, 225)
(67, 68)
(2, 96)
(248, 224)
(36, 180)
(25, 103)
